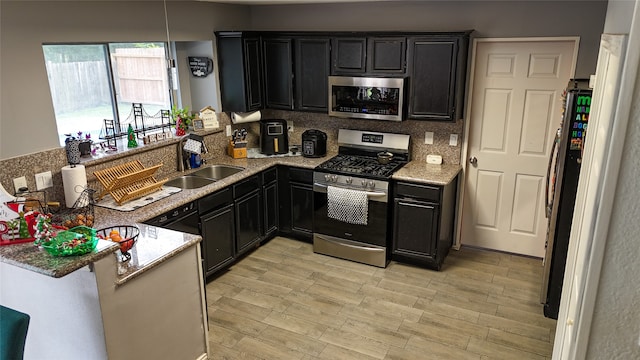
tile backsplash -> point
(419, 150)
(216, 141)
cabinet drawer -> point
(246, 186)
(269, 175)
(215, 201)
(424, 192)
(301, 175)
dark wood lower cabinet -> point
(423, 223)
(270, 197)
(296, 202)
(415, 229)
(248, 221)
(218, 234)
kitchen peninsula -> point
(95, 307)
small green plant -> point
(181, 118)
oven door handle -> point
(369, 193)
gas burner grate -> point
(360, 165)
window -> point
(93, 82)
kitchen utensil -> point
(314, 143)
(384, 157)
(274, 137)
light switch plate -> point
(428, 137)
(228, 130)
(453, 140)
(44, 180)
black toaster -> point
(314, 143)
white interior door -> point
(516, 89)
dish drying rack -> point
(128, 181)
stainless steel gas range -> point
(351, 192)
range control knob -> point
(363, 183)
(327, 177)
(334, 178)
(372, 184)
(348, 180)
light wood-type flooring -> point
(285, 302)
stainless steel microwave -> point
(366, 97)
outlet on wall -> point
(453, 140)
(290, 125)
(428, 137)
(228, 130)
(19, 182)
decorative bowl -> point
(128, 235)
(68, 243)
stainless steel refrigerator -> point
(562, 183)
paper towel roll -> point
(74, 181)
(239, 118)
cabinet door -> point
(415, 229)
(278, 73)
(432, 78)
(312, 61)
(386, 55)
(218, 241)
(348, 55)
(240, 62)
(248, 214)
(270, 195)
(302, 208)
(253, 73)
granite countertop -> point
(30, 257)
(156, 245)
(421, 172)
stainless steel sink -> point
(217, 172)
(189, 182)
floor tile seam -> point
(298, 354)
(476, 315)
(516, 348)
(537, 328)
(533, 341)
(346, 329)
(474, 325)
(263, 339)
(393, 293)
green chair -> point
(13, 333)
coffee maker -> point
(274, 137)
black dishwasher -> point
(184, 218)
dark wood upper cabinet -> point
(386, 55)
(436, 71)
(348, 55)
(312, 63)
(278, 73)
(240, 63)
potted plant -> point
(181, 119)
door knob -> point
(473, 160)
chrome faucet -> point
(180, 153)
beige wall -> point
(27, 121)
(522, 18)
